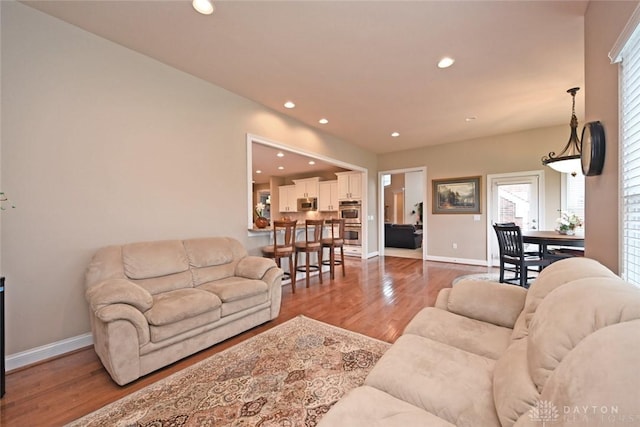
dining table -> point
(546, 238)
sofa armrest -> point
(118, 291)
(443, 298)
(273, 279)
(254, 267)
(114, 312)
(492, 302)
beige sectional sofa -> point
(564, 353)
(153, 303)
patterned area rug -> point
(290, 375)
(493, 277)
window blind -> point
(573, 194)
(629, 58)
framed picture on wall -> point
(456, 195)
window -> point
(627, 53)
(573, 194)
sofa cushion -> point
(213, 258)
(570, 314)
(452, 384)
(368, 407)
(402, 236)
(171, 330)
(173, 306)
(469, 298)
(484, 339)
(237, 293)
(597, 383)
(145, 260)
(514, 392)
(158, 285)
(208, 252)
(552, 277)
(235, 288)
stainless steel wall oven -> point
(353, 234)
(350, 211)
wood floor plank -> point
(377, 298)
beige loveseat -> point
(154, 303)
(564, 353)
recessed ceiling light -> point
(205, 7)
(258, 171)
(280, 154)
(289, 104)
(280, 168)
(323, 121)
(395, 134)
(311, 162)
(446, 62)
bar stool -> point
(308, 246)
(283, 247)
(335, 241)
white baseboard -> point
(38, 354)
(373, 254)
(482, 262)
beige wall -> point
(102, 145)
(604, 22)
(515, 152)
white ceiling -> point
(266, 160)
(368, 66)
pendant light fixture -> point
(568, 161)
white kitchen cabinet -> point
(288, 202)
(328, 196)
(349, 185)
(307, 187)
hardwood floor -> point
(378, 297)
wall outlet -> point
(455, 246)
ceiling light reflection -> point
(446, 62)
(204, 7)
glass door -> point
(514, 198)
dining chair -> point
(336, 227)
(284, 232)
(312, 243)
(512, 253)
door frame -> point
(491, 178)
(422, 169)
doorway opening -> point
(402, 225)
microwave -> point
(308, 204)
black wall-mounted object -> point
(2, 388)
(593, 148)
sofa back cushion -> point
(557, 274)
(157, 266)
(568, 303)
(105, 264)
(596, 384)
(570, 314)
(213, 258)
